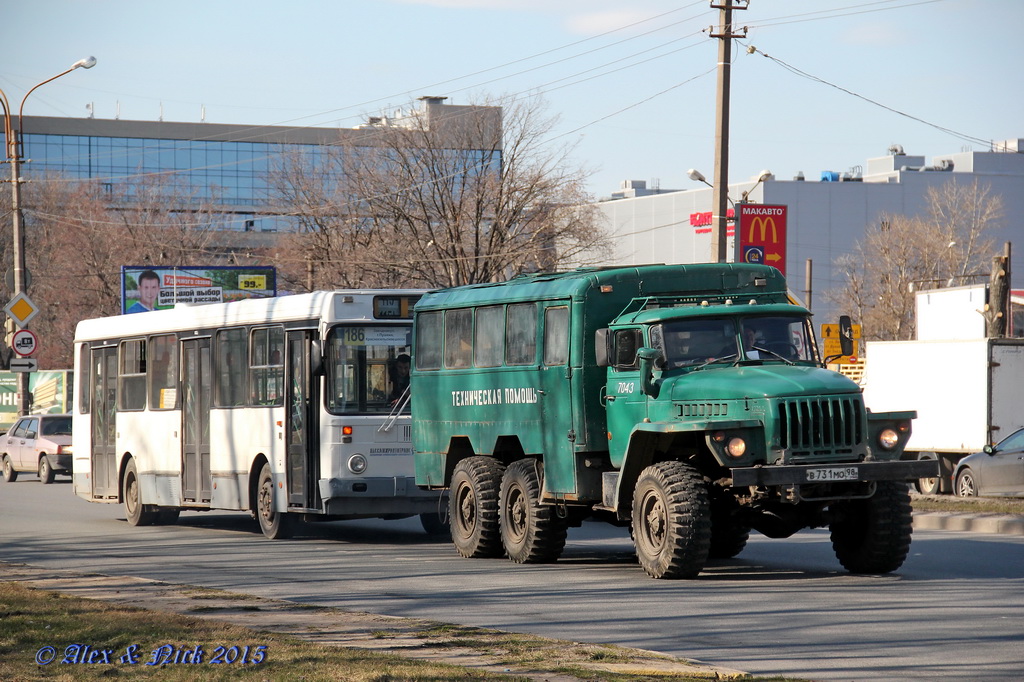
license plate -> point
(833, 474)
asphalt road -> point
(784, 607)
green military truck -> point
(688, 402)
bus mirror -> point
(316, 360)
(602, 346)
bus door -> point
(197, 377)
(103, 378)
(303, 468)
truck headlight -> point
(888, 438)
(737, 447)
(357, 464)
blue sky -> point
(632, 82)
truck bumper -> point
(768, 475)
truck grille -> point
(821, 425)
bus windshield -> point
(368, 368)
(694, 341)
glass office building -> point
(227, 166)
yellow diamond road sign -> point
(21, 309)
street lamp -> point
(13, 141)
(765, 175)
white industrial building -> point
(826, 217)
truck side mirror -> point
(602, 346)
(846, 334)
(648, 358)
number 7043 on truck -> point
(688, 402)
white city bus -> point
(290, 407)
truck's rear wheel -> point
(530, 532)
(474, 507)
(671, 520)
(873, 535)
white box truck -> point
(968, 393)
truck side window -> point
(521, 334)
(556, 336)
(458, 338)
(489, 336)
(428, 340)
(626, 343)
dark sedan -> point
(998, 471)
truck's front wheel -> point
(474, 507)
(671, 520)
(873, 535)
(530, 532)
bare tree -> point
(475, 195)
(80, 235)
(900, 254)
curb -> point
(1003, 524)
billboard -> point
(148, 288)
(50, 392)
(762, 235)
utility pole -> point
(720, 188)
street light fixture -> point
(13, 145)
(765, 175)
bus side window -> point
(230, 368)
(266, 366)
(132, 375)
(163, 372)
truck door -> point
(557, 401)
(625, 403)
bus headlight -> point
(737, 447)
(888, 439)
(357, 464)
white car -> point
(37, 443)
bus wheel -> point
(671, 520)
(274, 524)
(134, 509)
(530, 532)
(473, 504)
(873, 535)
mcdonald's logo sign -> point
(762, 235)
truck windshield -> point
(691, 342)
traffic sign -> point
(21, 309)
(24, 365)
(24, 343)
